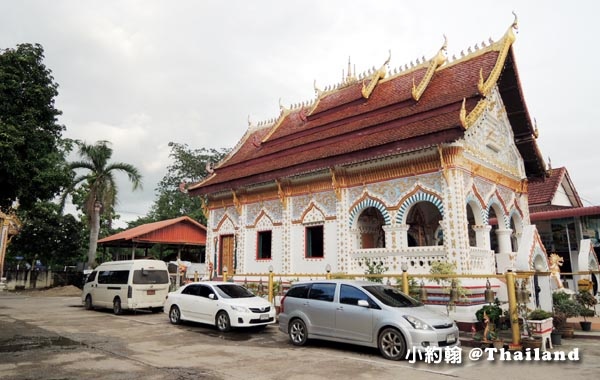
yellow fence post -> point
(513, 308)
(404, 280)
(271, 284)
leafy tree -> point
(189, 166)
(32, 154)
(101, 189)
(48, 236)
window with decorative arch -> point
(424, 228)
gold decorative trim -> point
(377, 75)
(236, 202)
(281, 194)
(467, 121)
(435, 62)
(335, 185)
(485, 87)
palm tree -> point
(100, 182)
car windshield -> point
(391, 296)
(233, 291)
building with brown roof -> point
(399, 167)
(566, 227)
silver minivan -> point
(364, 313)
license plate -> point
(264, 317)
(450, 338)
(150, 292)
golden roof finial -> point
(434, 63)
(485, 85)
(282, 107)
(377, 75)
(318, 91)
(463, 114)
(515, 24)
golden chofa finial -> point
(440, 58)
(318, 91)
(515, 24)
(282, 108)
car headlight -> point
(240, 309)
(417, 323)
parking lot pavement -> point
(55, 338)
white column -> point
(482, 236)
(504, 243)
(403, 235)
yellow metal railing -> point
(509, 277)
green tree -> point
(49, 236)
(32, 154)
(99, 178)
(188, 166)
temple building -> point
(403, 167)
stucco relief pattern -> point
(273, 208)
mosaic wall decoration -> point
(272, 207)
(326, 201)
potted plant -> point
(539, 322)
(565, 307)
(493, 312)
(586, 301)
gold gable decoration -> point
(435, 62)
(485, 86)
(375, 78)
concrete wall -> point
(28, 279)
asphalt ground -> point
(53, 337)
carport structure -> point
(178, 232)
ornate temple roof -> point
(382, 113)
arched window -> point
(496, 221)
(470, 230)
(370, 226)
(424, 221)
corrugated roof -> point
(179, 231)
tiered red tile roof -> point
(343, 127)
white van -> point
(130, 284)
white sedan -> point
(223, 304)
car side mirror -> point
(363, 303)
(212, 296)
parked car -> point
(223, 304)
(363, 313)
(127, 285)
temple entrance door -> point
(226, 254)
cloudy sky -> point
(143, 73)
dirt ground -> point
(59, 291)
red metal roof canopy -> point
(179, 231)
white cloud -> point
(143, 73)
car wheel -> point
(88, 303)
(175, 315)
(391, 344)
(297, 332)
(222, 321)
(117, 309)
